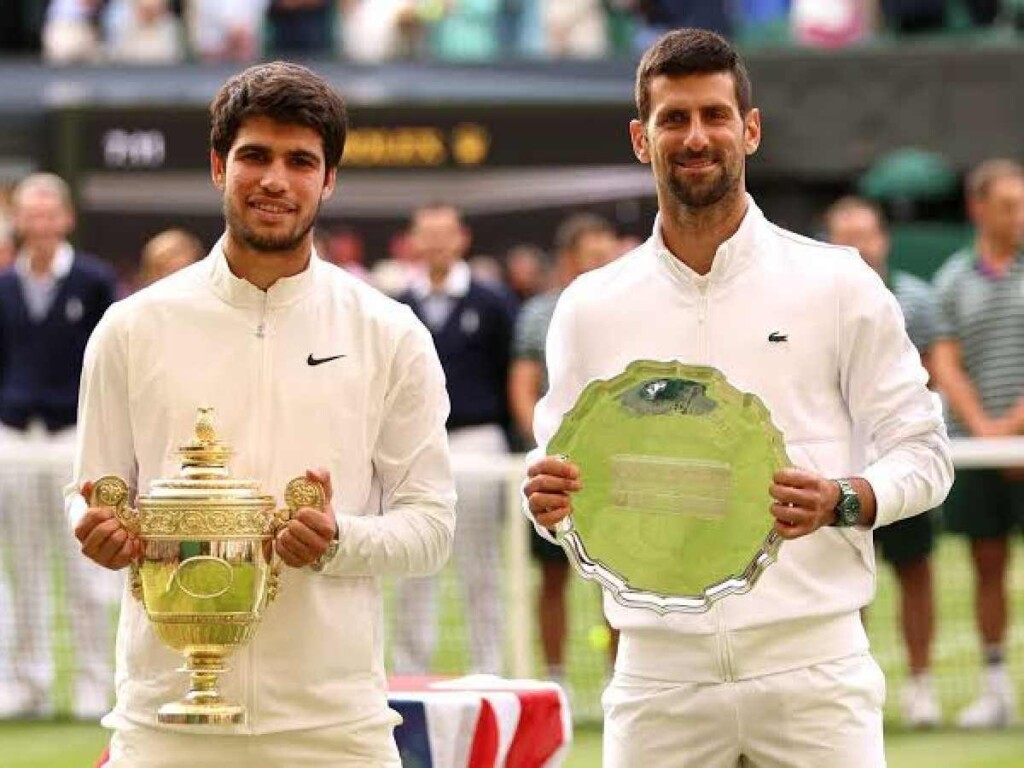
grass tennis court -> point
(74, 745)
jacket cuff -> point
(888, 499)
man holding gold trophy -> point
(307, 380)
(731, 394)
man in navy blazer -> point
(50, 300)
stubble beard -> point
(707, 194)
(267, 243)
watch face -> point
(848, 509)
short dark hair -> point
(432, 206)
(573, 229)
(281, 91)
(690, 52)
(981, 178)
(854, 203)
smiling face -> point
(274, 178)
(696, 139)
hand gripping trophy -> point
(207, 568)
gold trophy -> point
(207, 568)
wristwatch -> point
(848, 507)
(332, 549)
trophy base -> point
(208, 713)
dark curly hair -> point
(281, 91)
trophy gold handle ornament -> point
(300, 492)
(112, 492)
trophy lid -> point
(204, 471)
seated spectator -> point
(301, 27)
(660, 16)
(143, 32)
(226, 31)
(378, 30)
(830, 23)
(467, 30)
(576, 29)
(166, 253)
(70, 33)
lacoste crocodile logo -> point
(775, 337)
(318, 360)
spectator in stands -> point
(220, 31)
(401, 269)
(831, 23)
(143, 32)
(526, 271)
(166, 253)
(8, 248)
(466, 30)
(979, 366)
(906, 544)
(378, 30)
(50, 301)
(343, 247)
(70, 32)
(657, 17)
(583, 242)
(576, 30)
(301, 27)
(471, 323)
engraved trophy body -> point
(208, 568)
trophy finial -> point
(205, 433)
(204, 451)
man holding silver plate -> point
(703, 451)
(306, 373)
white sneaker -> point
(919, 703)
(996, 707)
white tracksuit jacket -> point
(374, 417)
(846, 378)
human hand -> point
(803, 501)
(305, 538)
(551, 481)
(104, 538)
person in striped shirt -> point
(979, 365)
(906, 544)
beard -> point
(704, 192)
(268, 243)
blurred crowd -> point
(173, 31)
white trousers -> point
(477, 553)
(366, 744)
(35, 543)
(824, 716)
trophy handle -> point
(300, 492)
(111, 491)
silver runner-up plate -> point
(675, 464)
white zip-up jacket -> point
(845, 381)
(374, 417)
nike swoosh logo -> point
(318, 360)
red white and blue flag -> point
(481, 722)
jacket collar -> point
(731, 257)
(456, 285)
(241, 293)
(60, 267)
